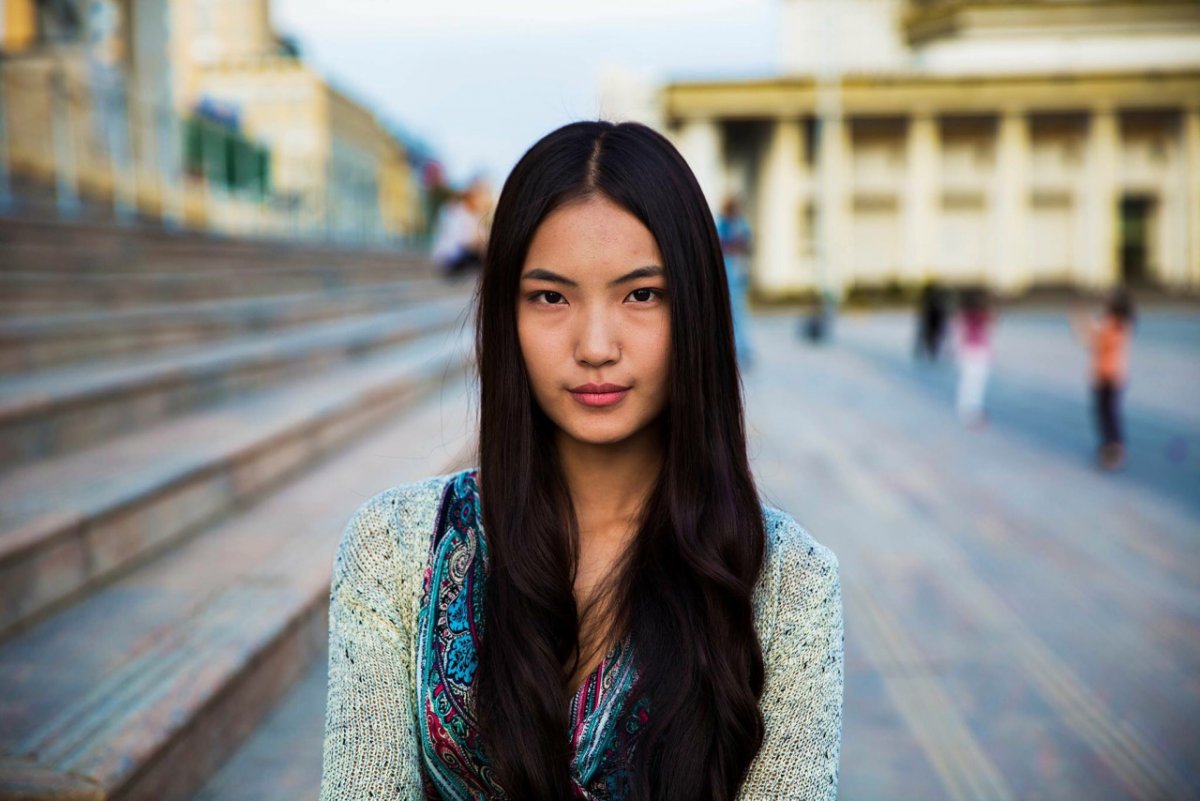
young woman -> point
(603, 608)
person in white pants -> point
(973, 341)
(973, 366)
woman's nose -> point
(597, 343)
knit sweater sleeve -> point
(802, 633)
(370, 739)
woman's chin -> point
(599, 438)
(606, 433)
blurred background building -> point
(1013, 144)
(194, 112)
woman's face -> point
(592, 310)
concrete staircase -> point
(186, 424)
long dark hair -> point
(683, 590)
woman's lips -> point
(606, 397)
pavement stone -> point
(1018, 623)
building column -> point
(700, 143)
(1010, 202)
(1100, 267)
(833, 212)
(63, 137)
(777, 241)
(1190, 134)
(920, 210)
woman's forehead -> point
(591, 241)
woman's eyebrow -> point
(540, 274)
(649, 271)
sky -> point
(482, 80)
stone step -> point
(39, 342)
(54, 412)
(68, 523)
(281, 761)
(135, 259)
(47, 292)
(145, 688)
(95, 246)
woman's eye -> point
(644, 295)
(548, 296)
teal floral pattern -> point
(454, 763)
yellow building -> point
(85, 104)
(1009, 143)
(336, 169)
(94, 96)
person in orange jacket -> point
(1107, 337)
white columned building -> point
(700, 143)
(832, 201)
(780, 198)
(1100, 198)
(1010, 264)
(1039, 143)
(921, 195)
(1190, 145)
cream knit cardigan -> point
(371, 740)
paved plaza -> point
(1019, 625)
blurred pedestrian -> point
(931, 322)
(734, 233)
(817, 325)
(1107, 337)
(460, 238)
(973, 349)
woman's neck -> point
(610, 483)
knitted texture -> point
(371, 739)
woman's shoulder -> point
(799, 583)
(789, 542)
(397, 521)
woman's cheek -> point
(540, 374)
